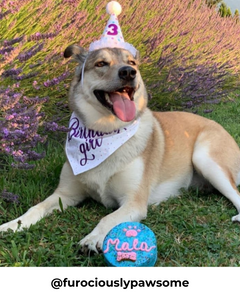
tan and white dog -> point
(168, 151)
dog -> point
(165, 152)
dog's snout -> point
(127, 73)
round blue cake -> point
(130, 244)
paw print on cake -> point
(131, 231)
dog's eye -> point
(132, 62)
(100, 64)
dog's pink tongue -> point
(123, 106)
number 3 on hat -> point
(113, 29)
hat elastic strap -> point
(83, 67)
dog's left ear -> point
(78, 53)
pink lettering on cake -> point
(125, 251)
(143, 246)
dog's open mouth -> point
(120, 102)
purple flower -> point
(13, 41)
(4, 14)
(35, 100)
(6, 50)
(56, 80)
(42, 36)
(19, 126)
(24, 166)
(52, 127)
(31, 52)
(9, 197)
(25, 76)
(11, 72)
(5, 132)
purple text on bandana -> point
(93, 139)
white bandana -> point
(86, 148)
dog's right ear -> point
(78, 53)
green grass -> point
(193, 229)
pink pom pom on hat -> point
(112, 36)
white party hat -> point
(112, 36)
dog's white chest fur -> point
(122, 170)
(113, 182)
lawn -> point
(193, 229)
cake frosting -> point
(130, 244)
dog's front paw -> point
(13, 225)
(236, 218)
(92, 242)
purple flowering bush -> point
(193, 51)
(190, 55)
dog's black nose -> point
(127, 73)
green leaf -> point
(14, 250)
(60, 204)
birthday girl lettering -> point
(89, 139)
(84, 148)
(79, 131)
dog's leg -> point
(129, 212)
(220, 178)
(132, 196)
(69, 192)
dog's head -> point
(109, 91)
